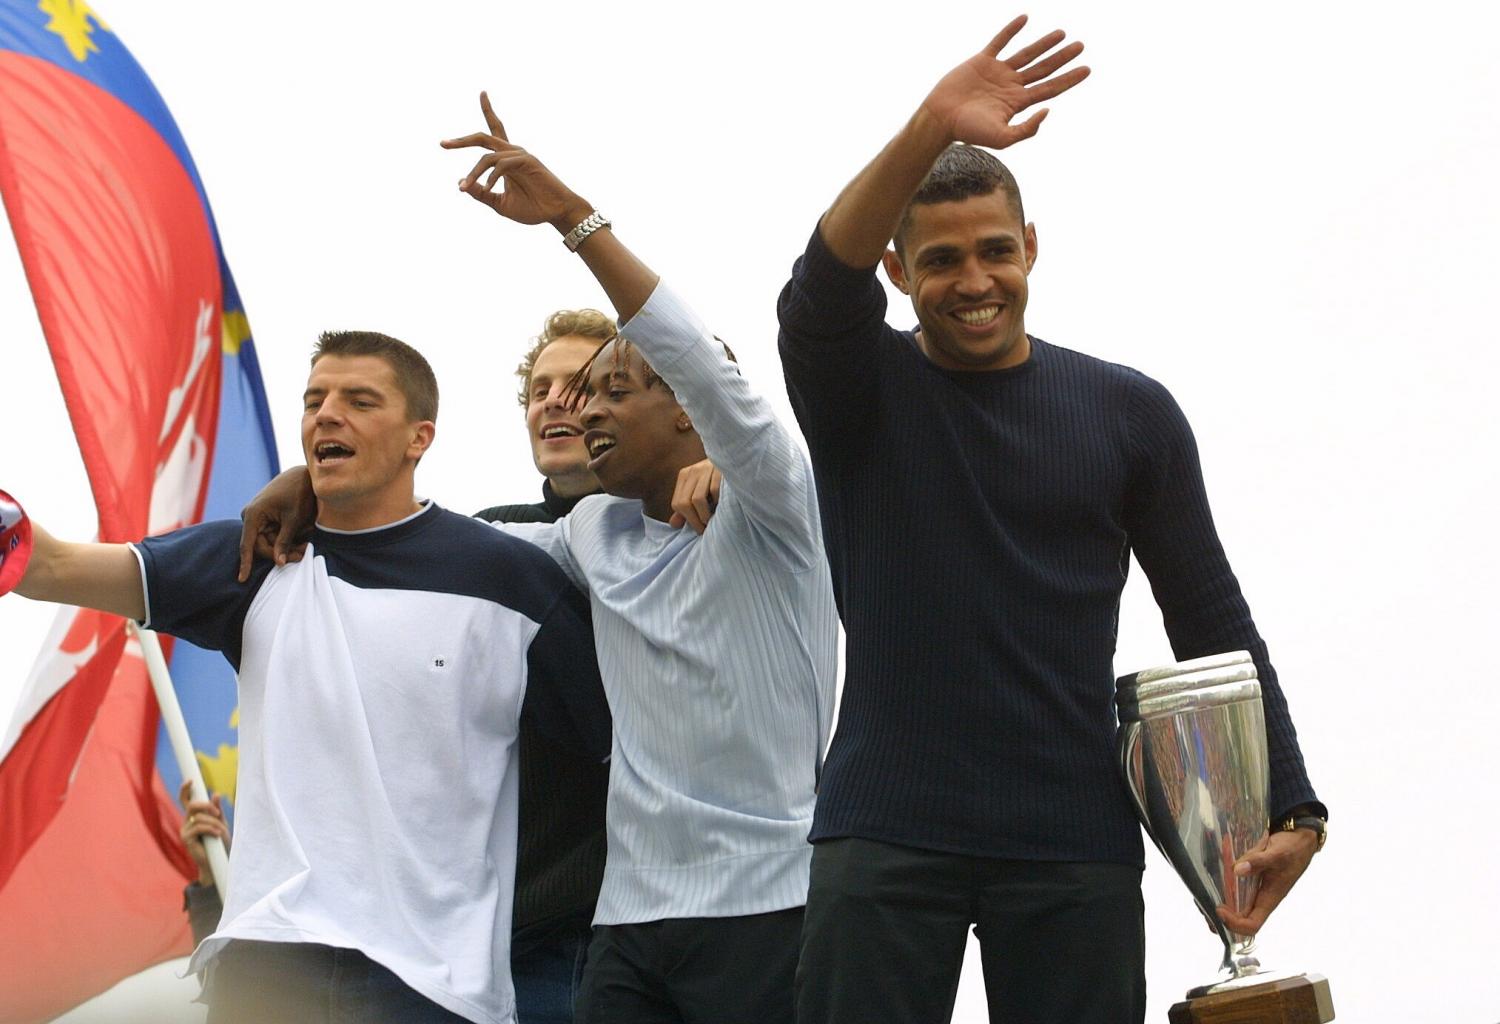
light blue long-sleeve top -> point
(718, 654)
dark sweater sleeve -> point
(1172, 533)
(832, 317)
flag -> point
(158, 372)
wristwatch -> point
(1310, 821)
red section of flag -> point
(123, 266)
(98, 897)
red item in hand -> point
(15, 542)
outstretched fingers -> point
(1055, 86)
(1006, 34)
(484, 139)
(1027, 54)
(1042, 69)
(497, 128)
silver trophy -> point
(1193, 748)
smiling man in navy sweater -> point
(981, 494)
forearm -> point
(861, 222)
(739, 431)
(625, 279)
(102, 576)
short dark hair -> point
(586, 323)
(413, 375)
(961, 172)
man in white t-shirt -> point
(382, 683)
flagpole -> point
(182, 747)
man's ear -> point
(684, 423)
(895, 271)
(1030, 236)
(421, 439)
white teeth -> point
(552, 432)
(332, 450)
(600, 444)
(978, 316)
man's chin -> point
(552, 469)
(976, 353)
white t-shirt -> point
(382, 681)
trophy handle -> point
(1133, 769)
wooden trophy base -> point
(1301, 1000)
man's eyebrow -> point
(936, 250)
(359, 390)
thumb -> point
(1254, 862)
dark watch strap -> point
(1307, 821)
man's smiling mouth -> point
(599, 445)
(977, 317)
(553, 431)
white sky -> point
(1285, 213)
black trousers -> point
(886, 927)
(306, 983)
(693, 970)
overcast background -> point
(1286, 213)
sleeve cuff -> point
(140, 559)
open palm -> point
(978, 100)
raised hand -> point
(976, 101)
(531, 194)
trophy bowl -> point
(1192, 745)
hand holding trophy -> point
(1193, 748)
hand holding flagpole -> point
(182, 747)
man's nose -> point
(592, 414)
(559, 397)
(973, 280)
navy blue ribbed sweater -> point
(979, 526)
